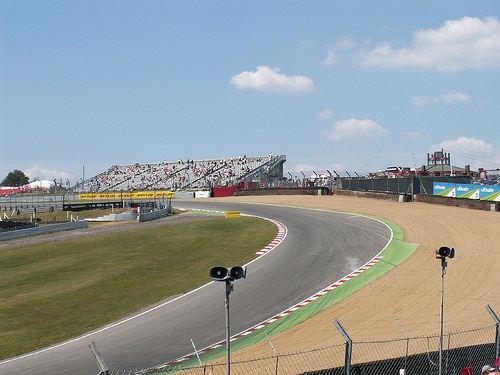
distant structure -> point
(439, 164)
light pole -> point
(442, 253)
(228, 275)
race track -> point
(320, 248)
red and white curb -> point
(307, 301)
(277, 240)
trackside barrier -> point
(124, 216)
(46, 229)
(415, 356)
(183, 194)
(202, 194)
(154, 214)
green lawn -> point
(55, 291)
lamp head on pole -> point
(231, 273)
(445, 252)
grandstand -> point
(190, 174)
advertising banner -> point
(128, 195)
(444, 189)
(490, 193)
(467, 191)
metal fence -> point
(29, 203)
(411, 356)
(400, 185)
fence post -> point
(100, 361)
(497, 322)
(348, 347)
(407, 345)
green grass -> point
(55, 291)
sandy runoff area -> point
(409, 295)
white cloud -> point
(420, 101)
(472, 151)
(344, 43)
(354, 128)
(454, 97)
(40, 173)
(459, 44)
(325, 114)
(412, 135)
(267, 79)
(449, 97)
(330, 59)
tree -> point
(15, 178)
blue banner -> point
(467, 191)
(490, 193)
(444, 189)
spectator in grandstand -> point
(489, 370)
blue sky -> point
(334, 85)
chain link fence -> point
(400, 185)
(411, 356)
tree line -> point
(15, 178)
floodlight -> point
(219, 273)
(231, 273)
(444, 252)
(237, 273)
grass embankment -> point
(54, 291)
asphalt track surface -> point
(320, 248)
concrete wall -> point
(46, 229)
(154, 215)
(124, 216)
(370, 194)
(183, 194)
(475, 204)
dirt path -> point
(409, 293)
